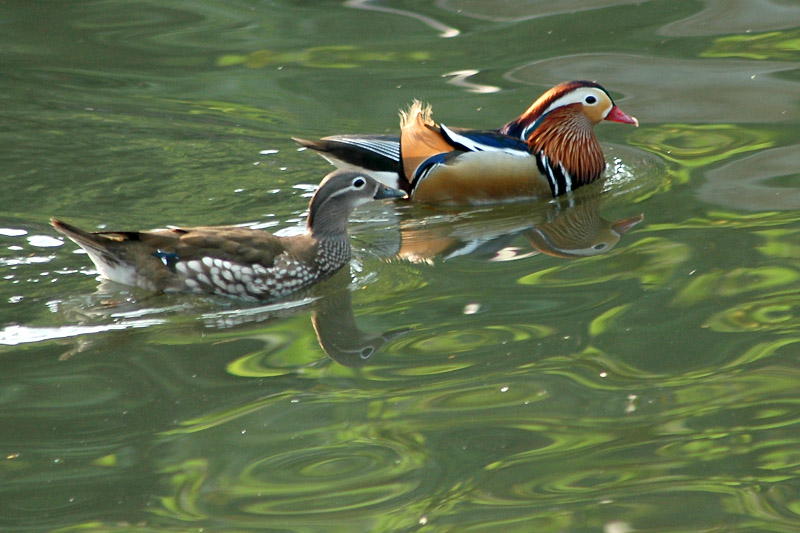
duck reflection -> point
(115, 307)
(564, 227)
(338, 333)
(332, 318)
(579, 231)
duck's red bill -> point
(618, 115)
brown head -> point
(560, 125)
(585, 97)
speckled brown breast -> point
(286, 275)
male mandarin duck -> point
(549, 150)
(236, 261)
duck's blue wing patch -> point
(170, 259)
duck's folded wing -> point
(235, 244)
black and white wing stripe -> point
(371, 152)
(378, 155)
(484, 141)
(389, 149)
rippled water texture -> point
(625, 359)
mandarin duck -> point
(236, 261)
(547, 151)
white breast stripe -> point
(549, 171)
(474, 146)
(421, 176)
(567, 178)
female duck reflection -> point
(331, 308)
(332, 318)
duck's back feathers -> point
(484, 141)
(122, 256)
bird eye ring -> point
(358, 183)
(590, 99)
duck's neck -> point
(332, 242)
(566, 138)
(328, 223)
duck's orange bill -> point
(618, 115)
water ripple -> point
(303, 481)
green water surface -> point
(503, 368)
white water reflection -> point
(15, 334)
(12, 232)
(445, 31)
(460, 78)
(518, 11)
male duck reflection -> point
(236, 261)
(569, 228)
(549, 150)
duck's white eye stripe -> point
(578, 96)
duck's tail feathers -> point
(119, 257)
(87, 240)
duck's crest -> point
(417, 114)
(420, 138)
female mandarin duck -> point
(549, 150)
(236, 261)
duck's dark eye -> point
(590, 99)
(366, 353)
(358, 183)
